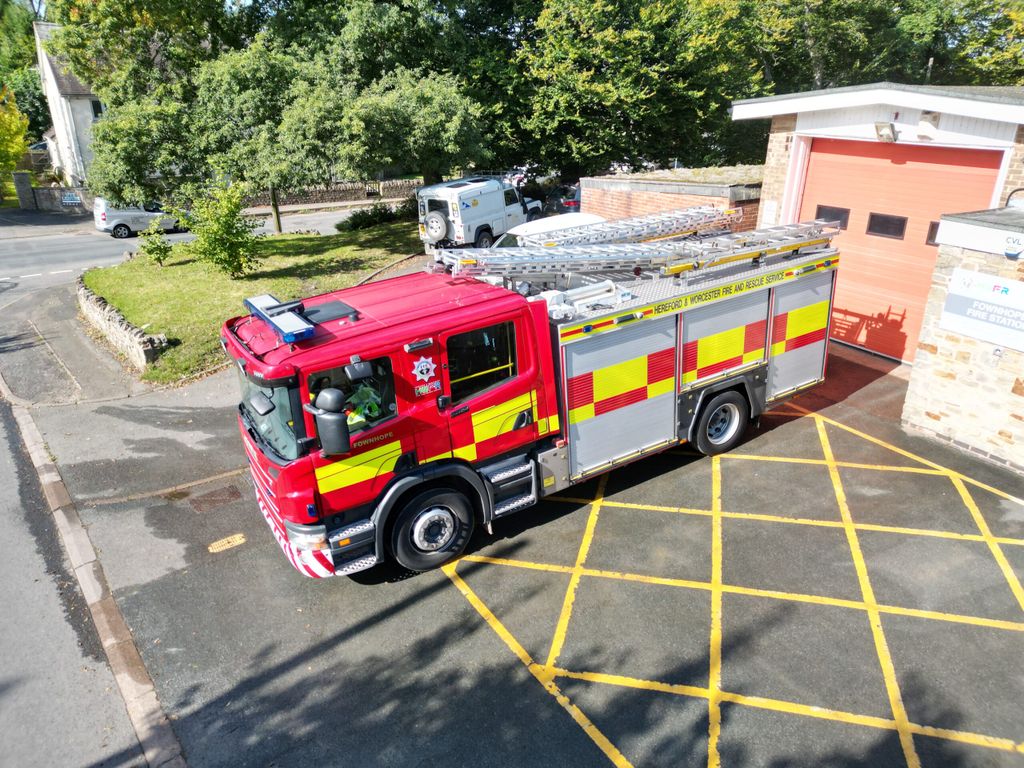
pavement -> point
(833, 592)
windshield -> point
(275, 429)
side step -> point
(513, 483)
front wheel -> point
(433, 528)
(722, 423)
(533, 215)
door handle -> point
(523, 419)
(460, 411)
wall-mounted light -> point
(886, 132)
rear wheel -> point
(436, 226)
(484, 239)
(121, 231)
(431, 529)
(722, 423)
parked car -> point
(471, 211)
(564, 198)
(124, 222)
(511, 238)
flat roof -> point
(992, 102)
(1011, 219)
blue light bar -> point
(290, 326)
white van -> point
(471, 211)
(563, 221)
(124, 222)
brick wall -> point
(963, 390)
(1015, 173)
(776, 163)
(637, 198)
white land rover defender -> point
(472, 211)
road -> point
(39, 260)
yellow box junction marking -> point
(228, 542)
(548, 673)
(881, 646)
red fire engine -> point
(385, 421)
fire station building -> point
(887, 161)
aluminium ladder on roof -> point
(635, 228)
(670, 258)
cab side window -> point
(481, 359)
(511, 198)
(368, 402)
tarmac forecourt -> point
(874, 549)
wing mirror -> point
(331, 421)
(261, 403)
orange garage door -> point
(892, 194)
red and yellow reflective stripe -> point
(496, 420)
(616, 386)
(723, 351)
(799, 327)
(358, 468)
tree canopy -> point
(291, 92)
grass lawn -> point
(188, 301)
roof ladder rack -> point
(647, 227)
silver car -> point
(124, 222)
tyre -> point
(431, 529)
(121, 231)
(484, 239)
(722, 423)
(533, 215)
(436, 226)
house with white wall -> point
(73, 110)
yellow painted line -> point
(715, 653)
(769, 594)
(822, 713)
(518, 564)
(997, 553)
(965, 737)
(228, 542)
(881, 646)
(633, 682)
(909, 455)
(793, 708)
(570, 593)
(843, 464)
(542, 675)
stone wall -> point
(138, 347)
(56, 199)
(619, 198)
(1015, 171)
(348, 191)
(963, 390)
(776, 164)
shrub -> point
(154, 244)
(378, 213)
(223, 235)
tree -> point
(240, 100)
(129, 51)
(412, 119)
(636, 81)
(13, 125)
(17, 42)
(141, 151)
(28, 94)
(223, 235)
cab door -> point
(490, 380)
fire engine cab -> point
(387, 420)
